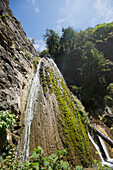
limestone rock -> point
(14, 62)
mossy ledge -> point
(72, 130)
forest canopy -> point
(94, 65)
(71, 38)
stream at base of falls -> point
(109, 161)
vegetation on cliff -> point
(93, 74)
(71, 124)
(72, 38)
(94, 65)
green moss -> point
(26, 39)
(71, 129)
(35, 62)
(29, 56)
(44, 79)
(10, 13)
(70, 122)
(4, 17)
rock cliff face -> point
(16, 52)
(55, 122)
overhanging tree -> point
(52, 41)
(67, 40)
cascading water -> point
(107, 163)
(105, 150)
(48, 104)
(97, 147)
(54, 66)
(34, 91)
(31, 104)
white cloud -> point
(74, 13)
(39, 45)
(34, 5)
(60, 22)
(36, 10)
(33, 1)
(82, 14)
(67, 2)
(103, 11)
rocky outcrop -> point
(55, 118)
(16, 53)
(106, 47)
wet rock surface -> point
(15, 63)
(53, 119)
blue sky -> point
(37, 15)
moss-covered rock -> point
(71, 117)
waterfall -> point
(97, 147)
(107, 163)
(105, 150)
(34, 91)
(55, 68)
(31, 104)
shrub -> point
(29, 56)
(36, 161)
(6, 120)
(41, 54)
(76, 90)
(36, 61)
(110, 88)
(102, 31)
(26, 39)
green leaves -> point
(37, 161)
(52, 41)
(6, 120)
(78, 168)
(102, 31)
(46, 163)
(62, 152)
(64, 165)
(51, 162)
(93, 73)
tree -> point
(102, 31)
(93, 71)
(81, 38)
(42, 53)
(89, 31)
(67, 41)
(33, 41)
(52, 41)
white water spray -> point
(107, 163)
(29, 113)
(105, 150)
